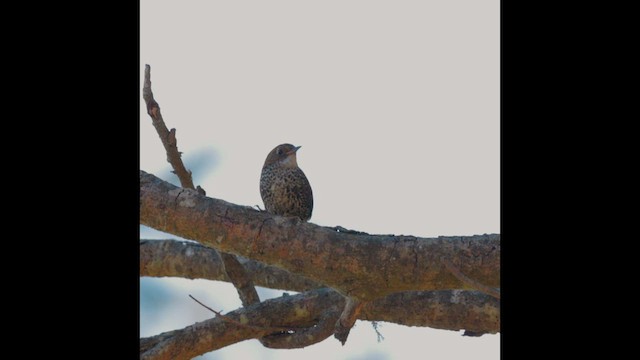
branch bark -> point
(240, 279)
(362, 266)
(191, 260)
(159, 258)
(448, 309)
(167, 137)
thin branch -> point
(376, 325)
(168, 138)
(364, 267)
(215, 312)
(470, 282)
(240, 279)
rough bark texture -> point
(445, 309)
(159, 258)
(364, 266)
(295, 311)
(448, 309)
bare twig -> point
(215, 312)
(376, 325)
(470, 282)
(167, 137)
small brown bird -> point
(284, 188)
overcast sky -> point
(395, 104)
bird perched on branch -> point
(284, 188)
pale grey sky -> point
(395, 104)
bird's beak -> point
(295, 149)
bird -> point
(284, 188)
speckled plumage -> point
(284, 188)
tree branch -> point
(216, 333)
(189, 260)
(192, 260)
(167, 137)
(235, 271)
(449, 309)
(347, 319)
(240, 279)
(363, 266)
(443, 309)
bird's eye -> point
(279, 151)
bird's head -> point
(283, 154)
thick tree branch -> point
(449, 309)
(189, 260)
(452, 310)
(444, 309)
(364, 266)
